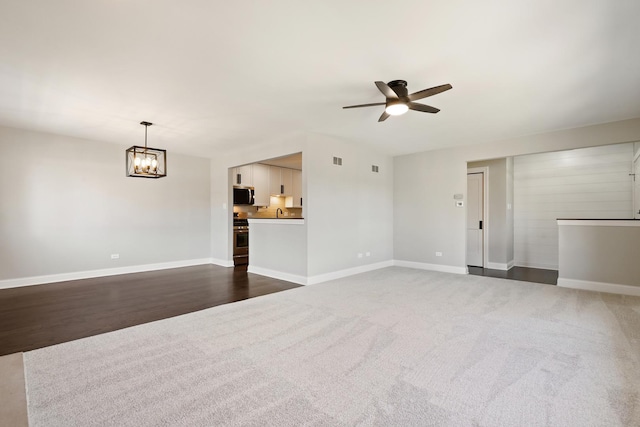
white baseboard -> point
(222, 262)
(540, 266)
(500, 265)
(432, 267)
(63, 277)
(312, 280)
(587, 285)
(294, 278)
(497, 266)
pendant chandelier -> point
(145, 162)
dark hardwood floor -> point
(535, 275)
(38, 316)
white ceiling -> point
(220, 75)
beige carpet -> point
(394, 347)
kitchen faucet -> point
(278, 210)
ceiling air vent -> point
(337, 161)
(374, 168)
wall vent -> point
(374, 168)
(337, 161)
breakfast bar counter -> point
(278, 248)
(599, 255)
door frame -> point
(636, 203)
(484, 170)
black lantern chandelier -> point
(144, 162)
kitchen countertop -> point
(600, 222)
(285, 220)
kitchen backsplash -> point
(268, 211)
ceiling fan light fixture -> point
(398, 101)
(396, 109)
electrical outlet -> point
(367, 254)
(115, 256)
(438, 253)
(360, 255)
(286, 214)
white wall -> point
(348, 209)
(425, 219)
(70, 206)
(278, 250)
(66, 206)
(588, 183)
(600, 256)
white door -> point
(636, 189)
(475, 209)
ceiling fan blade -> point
(384, 116)
(429, 92)
(365, 105)
(421, 107)
(386, 90)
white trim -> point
(433, 267)
(612, 288)
(222, 262)
(540, 266)
(78, 275)
(498, 266)
(312, 280)
(484, 170)
(510, 264)
(280, 221)
(294, 278)
(601, 222)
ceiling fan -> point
(399, 101)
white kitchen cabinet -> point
(260, 175)
(295, 200)
(242, 176)
(274, 180)
(286, 176)
(280, 181)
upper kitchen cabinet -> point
(261, 184)
(242, 176)
(280, 181)
(295, 200)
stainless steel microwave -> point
(243, 196)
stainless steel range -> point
(240, 241)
